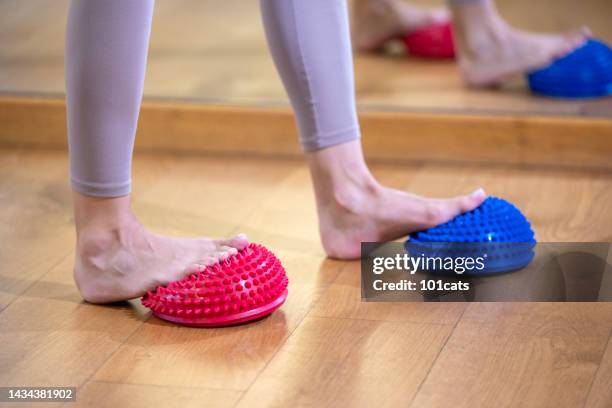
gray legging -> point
(106, 53)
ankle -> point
(101, 213)
(341, 177)
(474, 13)
(101, 224)
(93, 243)
(374, 7)
(478, 27)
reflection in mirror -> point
(214, 51)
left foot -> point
(489, 51)
(376, 21)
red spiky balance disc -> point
(244, 287)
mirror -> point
(215, 52)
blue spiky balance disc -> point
(496, 228)
(583, 73)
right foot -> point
(376, 21)
(353, 207)
(381, 214)
(489, 51)
(124, 262)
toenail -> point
(479, 193)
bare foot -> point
(381, 214)
(376, 21)
(353, 207)
(119, 262)
(490, 51)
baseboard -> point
(397, 136)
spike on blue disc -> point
(583, 73)
(496, 228)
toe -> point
(573, 40)
(195, 268)
(224, 252)
(208, 261)
(471, 201)
(223, 255)
(238, 242)
(449, 209)
(439, 16)
(467, 203)
(229, 250)
(585, 32)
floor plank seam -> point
(17, 296)
(437, 357)
(278, 185)
(360, 319)
(268, 363)
(306, 315)
(590, 389)
(128, 337)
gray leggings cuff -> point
(94, 189)
(318, 142)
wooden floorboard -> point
(50, 336)
(348, 362)
(324, 346)
(522, 354)
(36, 231)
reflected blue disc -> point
(584, 73)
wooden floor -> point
(214, 51)
(324, 347)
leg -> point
(310, 44)
(489, 50)
(376, 21)
(116, 258)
